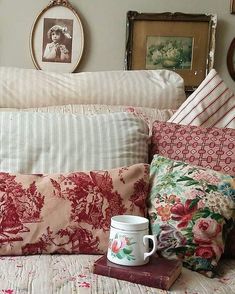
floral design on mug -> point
(121, 247)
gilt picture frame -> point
(57, 38)
(231, 59)
(184, 43)
(232, 6)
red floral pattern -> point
(67, 213)
(183, 212)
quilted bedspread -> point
(70, 274)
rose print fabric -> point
(191, 211)
(67, 213)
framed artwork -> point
(232, 6)
(184, 43)
(231, 59)
(57, 38)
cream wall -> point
(104, 23)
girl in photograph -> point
(56, 50)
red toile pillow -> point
(67, 213)
(212, 148)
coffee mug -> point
(129, 240)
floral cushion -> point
(208, 147)
(67, 213)
(191, 211)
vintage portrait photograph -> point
(169, 52)
(57, 40)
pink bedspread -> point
(69, 274)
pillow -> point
(24, 88)
(212, 104)
(149, 115)
(208, 147)
(191, 210)
(67, 213)
(36, 142)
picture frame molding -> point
(231, 59)
(232, 6)
(61, 67)
(134, 16)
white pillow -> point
(33, 142)
(24, 88)
(149, 115)
(212, 104)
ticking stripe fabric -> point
(211, 105)
(32, 142)
(24, 88)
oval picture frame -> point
(231, 59)
(57, 38)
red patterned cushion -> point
(67, 213)
(207, 147)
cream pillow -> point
(25, 88)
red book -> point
(158, 273)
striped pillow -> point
(33, 142)
(24, 88)
(149, 115)
(211, 105)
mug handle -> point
(154, 239)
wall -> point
(104, 23)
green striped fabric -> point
(33, 142)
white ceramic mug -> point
(129, 240)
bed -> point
(45, 110)
(73, 274)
